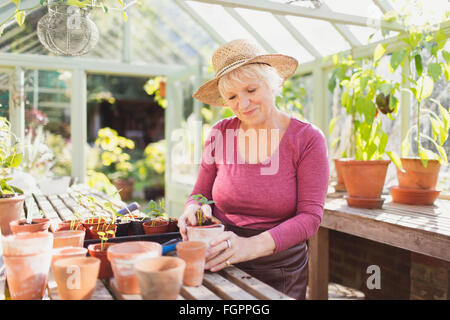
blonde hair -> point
(258, 71)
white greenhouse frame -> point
(176, 193)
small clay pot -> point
(193, 253)
(67, 252)
(10, 209)
(68, 238)
(123, 256)
(204, 233)
(416, 176)
(364, 181)
(37, 225)
(93, 231)
(105, 266)
(27, 258)
(340, 185)
(97, 223)
(70, 225)
(160, 278)
(155, 226)
(76, 277)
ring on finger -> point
(228, 263)
(228, 243)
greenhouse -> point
(99, 122)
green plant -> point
(201, 200)
(103, 236)
(364, 94)
(156, 210)
(115, 161)
(149, 171)
(95, 206)
(292, 98)
(9, 158)
(421, 57)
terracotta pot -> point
(67, 252)
(37, 225)
(96, 223)
(416, 197)
(155, 226)
(93, 231)
(340, 185)
(76, 277)
(162, 89)
(105, 266)
(416, 176)
(364, 181)
(193, 253)
(10, 209)
(27, 258)
(70, 225)
(126, 188)
(173, 225)
(160, 278)
(68, 238)
(204, 233)
(123, 256)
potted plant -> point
(206, 229)
(115, 162)
(149, 171)
(11, 197)
(157, 223)
(98, 250)
(364, 172)
(30, 225)
(418, 167)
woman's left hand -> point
(228, 248)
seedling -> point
(156, 210)
(103, 237)
(201, 200)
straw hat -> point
(235, 54)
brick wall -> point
(350, 256)
(429, 278)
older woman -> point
(266, 171)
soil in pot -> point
(364, 181)
(27, 258)
(36, 225)
(87, 273)
(123, 256)
(69, 225)
(67, 252)
(160, 278)
(193, 253)
(68, 238)
(10, 209)
(206, 232)
(155, 226)
(96, 223)
(173, 225)
(95, 250)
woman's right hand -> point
(188, 218)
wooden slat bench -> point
(421, 229)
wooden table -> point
(421, 229)
(230, 283)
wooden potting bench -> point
(421, 229)
(230, 283)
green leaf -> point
(425, 88)
(16, 2)
(16, 160)
(406, 147)
(335, 142)
(397, 58)
(395, 159)
(76, 3)
(423, 155)
(435, 71)
(42, 2)
(379, 51)
(418, 62)
(446, 56)
(20, 17)
(441, 39)
(2, 28)
(332, 124)
(332, 82)
(383, 142)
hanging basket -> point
(67, 30)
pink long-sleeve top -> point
(284, 195)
